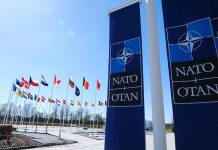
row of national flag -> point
(26, 84)
(25, 95)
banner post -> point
(125, 125)
(159, 134)
(191, 30)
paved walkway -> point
(86, 143)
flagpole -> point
(22, 115)
(90, 120)
(45, 117)
(97, 116)
(12, 119)
(81, 106)
(21, 112)
(40, 103)
(9, 97)
(64, 106)
(94, 108)
(74, 100)
(156, 82)
(49, 110)
(30, 117)
(17, 114)
(36, 106)
(53, 120)
(9, 110)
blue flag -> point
(14, 88)
(77, 91)
(43, 81)
(30, 96)
(191, 29)
(18, 82)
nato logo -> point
(125, 56)
(192, 41)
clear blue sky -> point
(67, 37)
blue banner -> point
(125, 125)
(191, 28)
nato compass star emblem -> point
(124, 56)
(190, 41)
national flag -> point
(85, 84)
(35, 97)
(77, 91)
(58, 102)
(43, 99)
(38, 100)
(64, 102)
(98, 85)
(14, 88)
(71, 102)
(25, 83)
(93, 104)
(101, 104)
(51, 100)
(18, 83)
(33, 82)
(57, 81)
(71, 83)
(25, 95)
(43, 81)
(30, 96)
(86, 104)
(18, 92)
(79, 104)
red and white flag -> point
(57, 81)
(58, 102)
(25, 83)
(43, 99)
(33, 82)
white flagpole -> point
(30, 116)
(21, 112)
(74, 100)
(97, 116)
(12, 119)
(38, 115)
(156, 82)
(81, 107)
(64, 104)
(9, 110)
(36, 105)
(90, 124)
(9, 97)
(94, 108)
(49, 110)
(45, 115)
(18, 113)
